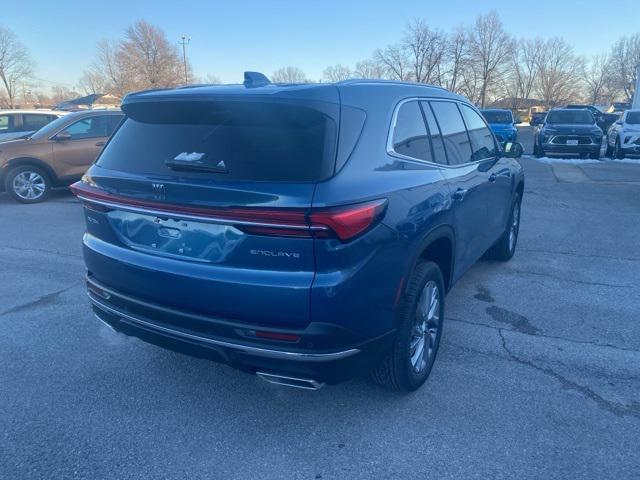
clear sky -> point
(228, 37)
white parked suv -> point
(18, 123)
(624, 136)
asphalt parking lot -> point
(537, 377)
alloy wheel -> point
(426, 327)
(29, 185)
(514, 227)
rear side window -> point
(436, 136)
(453, 131)
(241, 140)
(481, 137)
(34, 121)
(6, 123)
(410, 137)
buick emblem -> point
(159, 191)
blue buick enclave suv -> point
(305, 233)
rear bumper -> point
(324, 353)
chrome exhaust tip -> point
(295, 382)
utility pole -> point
(636, 94)
(184, 42)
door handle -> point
(493, 177)
(459, 194)
(100, 144)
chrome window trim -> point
(250, 350)
(394, 119)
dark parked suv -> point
(305, 233)
(568, 131)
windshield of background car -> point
(570, 117)
(498, 117)
(633, 118)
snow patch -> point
(571, 161)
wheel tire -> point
(618, 152)
(505, 247)
(537, 151)
(398, 371)
(609, 151)
(28, 184)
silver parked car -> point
(20, 123)
(624, 135)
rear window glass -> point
(497, 117)
(256, 141)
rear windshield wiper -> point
(191, 166)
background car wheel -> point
(28, 184)
(420, 317)
(618, 152)
(537, 151)
(609, 151)
(505, 247)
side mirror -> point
(517, 120)
(513, 150)
(62, 136)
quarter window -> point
(453, 131)
(410, 136)
(6, 123)
(482, 141)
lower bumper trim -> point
(247, 349)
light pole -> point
(184, 42)
(636, 94)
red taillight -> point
(345, 222)
(349, 222)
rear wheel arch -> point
(437, 246)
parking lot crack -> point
(563, 279)
(43, 301)
(632, 410)
(543, 335)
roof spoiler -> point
(255, 79)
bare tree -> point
(369, 69)
(337, 73)
(61, 94)
(490, 48)
(598, 80)
(558, 72)
(625, 58)
(143, 59)
(92, 82)
(152, 60)
(394, 61)
(426, 48)
(15, 64)
(289, 74)
(456, 56)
